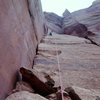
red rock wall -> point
(17, 41)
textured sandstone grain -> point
(79, 61)
(53, 22)
(24, 95)
(18, 39)
(90, 16)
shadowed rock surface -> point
(76, 30)
(72, 27)
(37, 85)
(89, 16)
(72, 93)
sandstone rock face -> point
(79, 62)
(68, 20)
(18, 39)
(53, 28)
(38, 86)
(53, 22)
(53, 18)
(76, 30)
(72, 27)
(90, 16)
(96, 2)
(24, 95)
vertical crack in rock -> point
(31, 16)
(37, 17)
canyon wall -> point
(21, 29)
(90, 16)
(74, 23)
(53, 22)
(72, 27)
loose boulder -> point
(38, 86)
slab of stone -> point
(79, 61)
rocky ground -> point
(79, 61)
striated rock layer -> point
(68, 19)
(21, 29)
(72, 27)
(53, 22)
(90, 16)
(82, 23)
(79, 62)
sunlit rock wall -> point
(21, 29)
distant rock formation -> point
(68, 19)
(68, 24)
(89, 16)
(72, 27)
(53, 22)
(53, 18)
(76, 30)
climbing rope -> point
(58, 62)
(59, 68)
